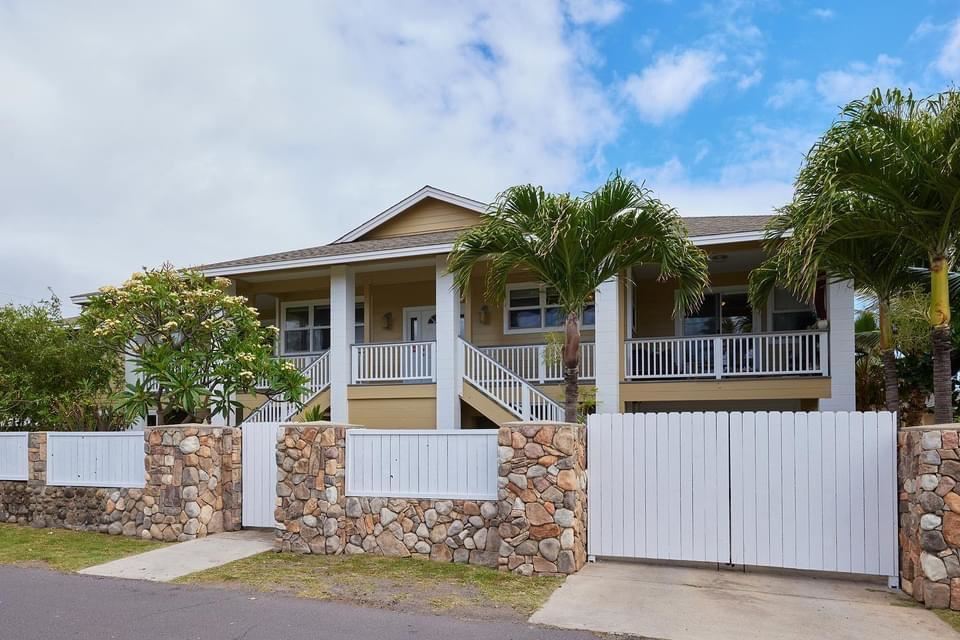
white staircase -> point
(275, 410)
(507, 389)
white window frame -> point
(310, 304)
(734, 288)
(508, 330)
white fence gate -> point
(259, 452)
(794, 490)
(422, 464)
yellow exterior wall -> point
(393, 406)
(392, 298)
(428, 216)
(653, 304)
(710, 390)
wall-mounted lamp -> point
(388, 320)
(484, 314)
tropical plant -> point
(902, 153)
(53, 376)
(573, 245)
(193, 345)
(806, 251)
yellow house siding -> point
(711, 390)
(428, 216)
(653, 304)
(395, 406)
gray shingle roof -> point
(697, 226)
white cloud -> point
(130, 137)
(858, 79)
(948, 62)
(755, 176)
(670, 85)
(788, 92)
(594, 11)
(746, 81)
(822, 13)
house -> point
(374, 322)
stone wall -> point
(115, 511)
(192, 487)
(929, 511)
(314, 515)
(543, 490)
(193, 477)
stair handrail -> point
(529, 394)
(318, 380)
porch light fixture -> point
(718, 257)
(484, 314)
(388, 320)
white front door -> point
(419, 324)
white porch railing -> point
(300, 361)
(504, 387)
(318, 379)
(394, 362)
(534, 363)
(749, 354)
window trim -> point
(310, 304)
(542, 288)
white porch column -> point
(609, 346)
(448, 324)
(342, 308)
(840, 313)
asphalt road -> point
(36, 604)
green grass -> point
(403, 583)
(952, 618)
(64, 550)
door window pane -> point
(736, 313)
(704, 321)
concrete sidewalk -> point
(175, 560)
(682, 603)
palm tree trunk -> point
(891, 382)
(571, 367)
(940, 338)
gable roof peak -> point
(414, 198)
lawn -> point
(404, 584)
(64, 550)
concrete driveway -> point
(682, 603)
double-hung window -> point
(533, 307)
(306, 327)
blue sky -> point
(138, 133)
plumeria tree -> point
(193, 345)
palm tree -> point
(804, 246)
(573, 244)
(904, 153)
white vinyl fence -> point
(797, 490)
(95, 459)
(13, 455)
(422, 464)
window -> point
(306, 327)
(790, 314)
(532, 308)
(721, 312)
